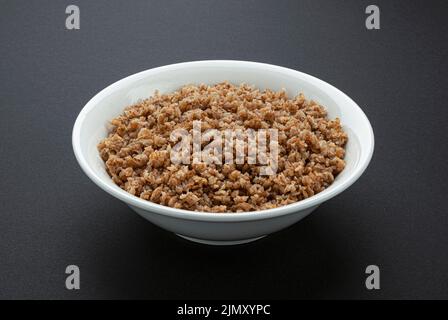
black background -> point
(51, 215)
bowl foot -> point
(220, 242)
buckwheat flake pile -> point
(137, 150)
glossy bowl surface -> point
(230, 228)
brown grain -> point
(137, 150)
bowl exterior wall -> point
(223, 231)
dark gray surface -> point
(394, 216)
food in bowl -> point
(310, 148)
(93, 124)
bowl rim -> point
(210, 216)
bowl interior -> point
(93, 122)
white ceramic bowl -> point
(230, 228)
